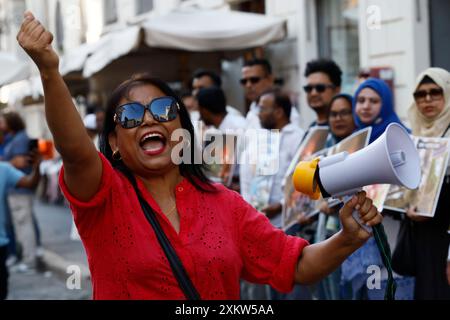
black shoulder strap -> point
(175, 263)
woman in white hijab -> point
(430, 117)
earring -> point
(116, 156)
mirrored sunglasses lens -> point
(131, 115)
(164, 109)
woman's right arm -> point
(82, 164)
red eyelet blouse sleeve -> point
(87, 213)
(268, 254)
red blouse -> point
(222, 239)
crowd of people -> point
(19, 231)
(225, 248)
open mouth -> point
(153, 143)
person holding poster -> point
(342, 125)
(373, 107)
(430, 117)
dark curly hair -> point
(329, 67)
(193, 172)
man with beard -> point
(275, 111)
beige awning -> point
(12, 69)
(185, 30)
(212, 30)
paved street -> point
(60, 252)
(43, 286)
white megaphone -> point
(391, 159)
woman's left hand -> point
(368, 213)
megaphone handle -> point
(355, 215)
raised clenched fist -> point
(36, 41)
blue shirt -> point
(9, 177)
(18, 146)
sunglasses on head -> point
(131, 115)
(319, 87)
(435, 94)
(253, 80)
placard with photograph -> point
(223, 156)
(434, 157)
(294, 201)
(265, 168)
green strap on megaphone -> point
(385, 251)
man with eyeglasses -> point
(324, 78)
(257, 78)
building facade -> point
(400, 38)
(397, 39)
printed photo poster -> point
(295, 202)
(434, 157)
(265, 169)
(395, 200)
(221, 151)
(352, 143)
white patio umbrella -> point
(12, 69)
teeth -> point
(152, 135)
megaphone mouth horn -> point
(403, 156)
(391, 159)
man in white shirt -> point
(213, 110)
(257, 78)
(275, 109)
(274, 114)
